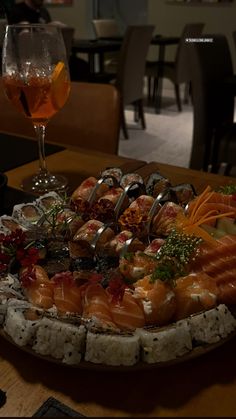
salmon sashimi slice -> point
(37, 286)
(225, 249)
(220, 265)
(67, 294)
(227, 291)
(194, 293)
(223, 199)
(41, 295)
(158, 300)
(128, 313)
(96, 305)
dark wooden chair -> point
(131, 68)
(108, 29)
(89, 119)
(214, 88)
(129, 78)
(178, 70)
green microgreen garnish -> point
(180, 246)
(227, 189)
(167, 270)
(174, 255)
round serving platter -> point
(147, 347)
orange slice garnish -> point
(60, 85)
(58, 72)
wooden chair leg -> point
(155, 88)
(123, 124)
(141, 113)
(177, 95)
(136, 112)
(149, 80)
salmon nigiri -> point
(67, 294)
(194, 293)
(37, 286)
(96, 305)
(158, 300)
(127, 313)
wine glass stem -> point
(40, 134)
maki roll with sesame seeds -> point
(165, 344)
(212, 325)
(112, 349)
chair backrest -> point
(89, 119)
(190, 30)
(132, 62)
(213, 101)
(106, 28)
(234, 38)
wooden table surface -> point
(76, 165)
(204, 386)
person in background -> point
(29, 11)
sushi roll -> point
(60, 340)
(164, 221)
(9, 225)
(156, 184)
(133, 184)
(143, 203)
(94, 232)
(119, 243)
(49, 200)
(112, 349)
(85, 190)
(114, 172)
(212, 325)
(165, 344)
(112, 195)
(27, 214)
(10, 289)
(17, 326)
(184, 193)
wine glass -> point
(36, 80)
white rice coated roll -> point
(161, 345)
(48, 200)
(60, 340)
(212, 325)
(21, 330)
(112, 349)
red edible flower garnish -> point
(4, 262)
(95, 278)
(116, 288)
(27, 257)
(13, 239)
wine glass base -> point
(44, 182)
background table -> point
(93, 47)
